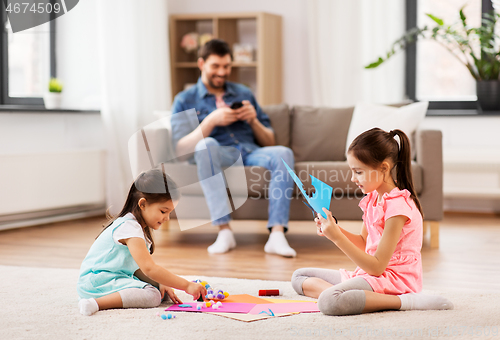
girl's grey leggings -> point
(344, 298)
(147, 297)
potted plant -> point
(52, 99)
(476, 47)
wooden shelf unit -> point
(262, 30)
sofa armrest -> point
(429, 147)
(151, 146)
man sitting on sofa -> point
(247, 129)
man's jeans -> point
(280, 188)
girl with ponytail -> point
(118, 271)
(387, 251)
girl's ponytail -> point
(374, 146)
(404, 177)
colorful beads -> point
(211, 292)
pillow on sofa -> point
(319, 133)
(367, 116)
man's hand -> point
(223, 116)
(246, 112)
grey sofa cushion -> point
(319, 133)
(280, 121)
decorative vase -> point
(52, 100)
(488, 95)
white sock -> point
(413, 301)
(277, 244)
(225, 241)
(88, 306)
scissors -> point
(315, 214)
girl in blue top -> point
(118, 271)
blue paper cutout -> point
(270, 312)
(321, 198)
(185, 306)
(315, 214)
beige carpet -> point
(41, 303)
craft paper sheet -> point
(322, 196)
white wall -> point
(296, 79)
(29, 133)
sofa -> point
(317, 137)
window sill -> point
(461, 113)
(40, 109)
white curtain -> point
(135, 80)
(344, 36)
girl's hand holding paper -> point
(319, 231)
(327, 227)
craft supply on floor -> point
(270, 292)
(212, 293)
(224, 307)
(245, 298)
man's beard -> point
(212, 85)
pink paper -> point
(226, 307)
(292, 307)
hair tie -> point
(398, 140)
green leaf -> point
(475, 47)
(436, 19)
(462, 17)
(375, 64)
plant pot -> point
(52, 100)
(488, 95)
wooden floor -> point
(468, 257)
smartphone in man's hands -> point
(236, 105)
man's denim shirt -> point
(239, 134)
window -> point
(432, 73)
(27, 62)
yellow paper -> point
(245, 298)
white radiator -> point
(65, 182)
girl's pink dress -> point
(404, 271)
